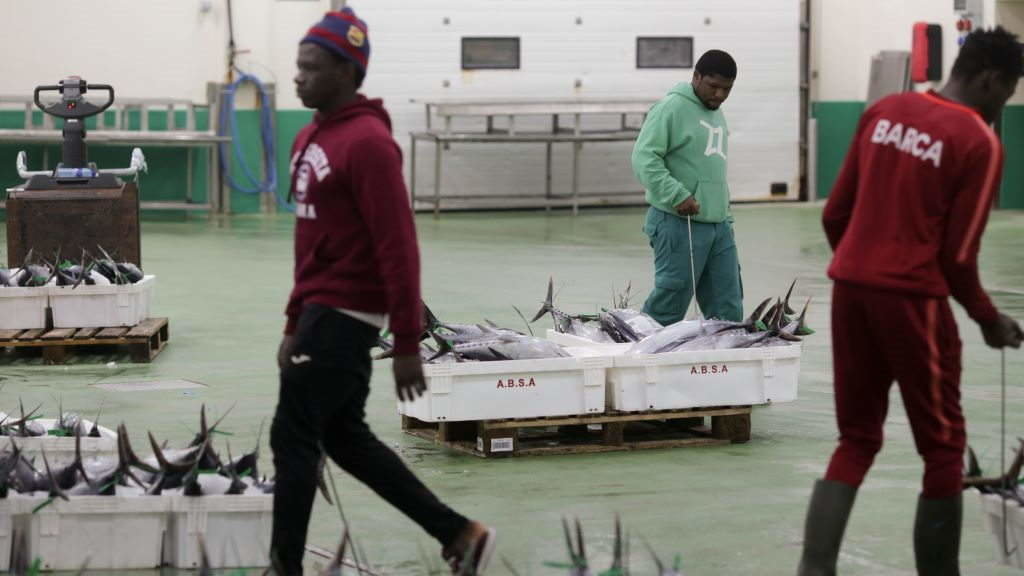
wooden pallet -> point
(580, 434)
(144, 340)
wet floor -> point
(726, 510)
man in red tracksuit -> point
(905, 220)
(356, 270)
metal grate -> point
(490, 53)
(664, 52)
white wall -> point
(416, 53)
(847, 33)
(149, 48)
(171, 48)
(145, 49)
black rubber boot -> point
(937, 536)
(827, 514)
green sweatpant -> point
(715, 262)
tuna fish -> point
(675, 335)
(628, 325)
(494, 345)
(581, 325)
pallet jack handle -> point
(72, 105)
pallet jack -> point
(76, 206)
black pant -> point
(322, 399)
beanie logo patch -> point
(356, 36)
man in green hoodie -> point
(680, 158)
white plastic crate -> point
(6, 531)
(702, 378)
(61, 449)
(992, 512)
(101, 306)
(23, 308)
(111, 532)
(235, 529)
(511, 389)
(14, 512)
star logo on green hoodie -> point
(716, 140)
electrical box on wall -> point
(974, 8)
(971, 15)
(926, 56)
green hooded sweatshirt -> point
(681, 152)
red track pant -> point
(879, 337)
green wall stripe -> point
(1011, 195)
(837, 123)
(289, 122)
(249, 135)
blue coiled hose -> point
(229, 124)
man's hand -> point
(1003, 332)
(688, 207)
(284, 351)
(409, 381)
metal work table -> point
(449, 110)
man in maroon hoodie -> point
(356, 270)
(905, 219)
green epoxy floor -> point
(733, 510)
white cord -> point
(693, 271)
(1002, 458)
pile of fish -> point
(195, 470)
(89, 270)
(771, 328)
(443, 342)
(476, 342)
(767, 326)
(29, 425)
(620, 324)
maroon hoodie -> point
(355, 241)
(911, 202)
